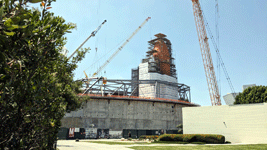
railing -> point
(138, 97)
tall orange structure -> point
(155, 76)
(160, 56)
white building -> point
(230, 98)
(245, 123)
(247, 86)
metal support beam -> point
(92, 85)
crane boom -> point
(206, 55)
(120, 48)
(91, 35)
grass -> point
(198, 143)
(204, 147)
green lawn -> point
(204, 147)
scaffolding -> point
(155, 63)
(135, 79)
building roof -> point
(160, 35)
(137, 98)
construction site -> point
(153, 102)
(150, 103)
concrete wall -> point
(125, 114)
(246, 123)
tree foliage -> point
(255, 94)
(36, 80)
(180, 128)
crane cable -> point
(97, 65)
(121, 47)
(218, 44)
(105, 54)
(219, 55)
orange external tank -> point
(162, 55)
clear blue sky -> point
(242, 32)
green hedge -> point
(205, 138)
(150, 137)
(178, 137)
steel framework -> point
(128, 87)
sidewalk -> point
(83, 145)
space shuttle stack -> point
(158, 66)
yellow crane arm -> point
(120, 48)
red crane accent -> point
(206, 55)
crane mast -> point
(206, 55)
(91, 35)
(120, 48)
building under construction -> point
(155, 77)
(158, 66)
(149, 103)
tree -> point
(255, 94)
(180, 128)
(36, 80)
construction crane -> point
(87, 79)
(111, 57)
(206, 55)
(120, 48)
(91, 35)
